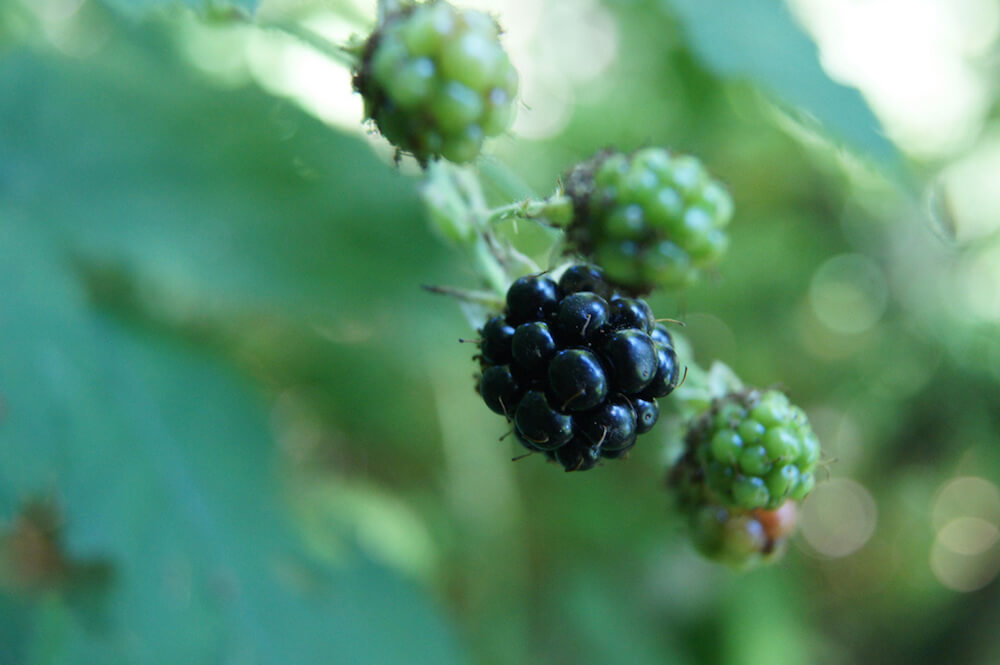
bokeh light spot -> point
(849, 294)
(976, 280)
(838, 518)
(966, 513)
(963, 572)
(967, 496)
(971, 192)
(969, 535)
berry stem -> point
(487, 299)
(345, 55)
(459, 212)
(557, 210)
(489, 267)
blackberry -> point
(731, 534)
(436, 81)
(742, 539)
(750, 450)
(575, 366)
(649, 218)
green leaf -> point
(139, 7)
(161, 462)
(759, 40)
(223, 197)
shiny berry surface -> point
(581, 317)
(500, 390)
(532, 298)
(632, 360)
(497, 336)
(574, 366)
(667, 370)
(533, 346)
(576, 380)
(540, 424)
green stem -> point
(485, 298)
(556, 210)
(341, 54)
(488, 266)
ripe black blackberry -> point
(575, 367)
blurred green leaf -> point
(230, 198)
(137, 7)
(161, 462)
(760, 41)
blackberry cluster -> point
(576, 367)
(649, 218)
(436, 81)
(750, 450)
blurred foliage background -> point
(234, 429)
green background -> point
(233, 429)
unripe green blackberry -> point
(752, 449)
(742, 539)
(436, 81)
(649, 218)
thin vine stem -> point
(342, 54)
(530, 209)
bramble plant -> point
(236, 422)
(571, 356)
